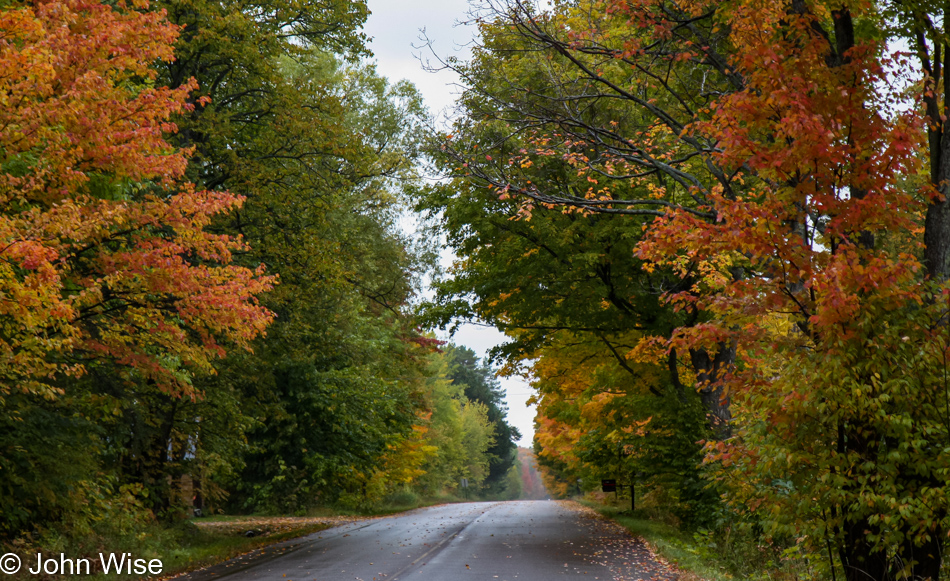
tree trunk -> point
(709, 371)
(937, 223)
(857, 558)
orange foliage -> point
(824, 158)
(578, 386)
(402, 463)
(103, 248)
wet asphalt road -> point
(508, 541)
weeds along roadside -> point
(731, 551)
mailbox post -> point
(633, 493)
(610, 485)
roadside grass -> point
(205, 541)
(181, 547)
(195, 547)
(670, 543)
(706, 556)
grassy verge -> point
(726, 554)
(206, 541)
(672, 544)
(202, 547)
(183, 547)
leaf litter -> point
(628, 558)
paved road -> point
(508, 541)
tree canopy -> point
(771, 177)
(207, 297)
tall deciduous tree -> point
(825, 239)
(107, 258)
(792, 212)
(460, 432)
(106, 249)
(580, 122)
(565, 284)
(322, 147)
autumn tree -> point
(459, 431)
(481, 386)
(558, 131)
(806, 239)
(827, 241)
(566, 286)
(108, 262)
(322, 147)
(531, 485)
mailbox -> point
(608, 485)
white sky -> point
(396, 27)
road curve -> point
(507, 541)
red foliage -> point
(103, 246)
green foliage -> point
(565, 284)
(514, 487)
(344, 402)
(480, 385)
(322, 429)
(322, 148)
(731, 551)
(460, 431)
(664, 458)
(865, 446)
(36, 485)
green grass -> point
(201, 548)
(181, 547)
(729, 553)
(672, 544)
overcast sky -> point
(396, 28)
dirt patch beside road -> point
(268, 525)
